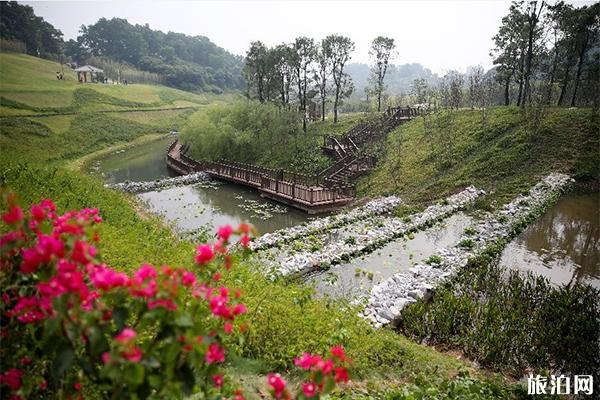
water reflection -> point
(197, 207)
(139, 163)
(192, 207)
(564, 244)
(361, 274)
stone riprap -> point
(141, 187)
(364, 236)
(387, 299)
(382, 205)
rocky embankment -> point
(387, 299)
(380, 206)
(363, 237)
(140, 187)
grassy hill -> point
(504, 152)
(39, 112)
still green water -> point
(562, 245)
(201, 207)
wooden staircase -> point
(348, 150)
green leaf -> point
(119, 316)
(62, 363)
(134, 374)
(184, 321)
(186, 374)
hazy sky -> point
(441, 35)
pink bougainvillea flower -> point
(12, 378)
(245, 240)
(277, 383)
(218, 306)
(106, 279)
(309, 389)
(77, 386)
(339, 353)
(225, 232)
(188, 279)
(126, 335)
(239, 309)
(307, 360)
(105, 357)
(82, 252)
(228, 327)
(13, 215)
(167, 304)
(204, 254)
(146, 271)
(218, 380)
(341, 374)
(215, 354)
(134, 354)
(326, 366)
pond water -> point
(193, 208)
(564, 244)
(145, 162)
(358, 276)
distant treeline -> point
(186, 62)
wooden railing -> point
(293, 187)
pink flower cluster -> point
(320, 373)
(56, 276)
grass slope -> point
(43, 119)
(503, 153)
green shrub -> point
(512, 322)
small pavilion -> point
(82, 73)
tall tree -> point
(419, 90)
(534, 11)
(340, 47)
(256, 69)
(323, 59)
(19, 22)
(588, 26)
(382, 51)
(476, 89)
(284, 59)
(508, 51)
(304, 57)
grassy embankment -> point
(505, 153)
(284, 318)
(54, 120)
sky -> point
(440, 34)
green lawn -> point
(30, 83)
(505, 153)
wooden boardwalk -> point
(327, 191)
(297, 190)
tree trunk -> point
(379, 101)
(323, 108)
(552, 75)
(579, 68)
(335, 105)
(506, 92)
(565, 81)
(520, 96)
